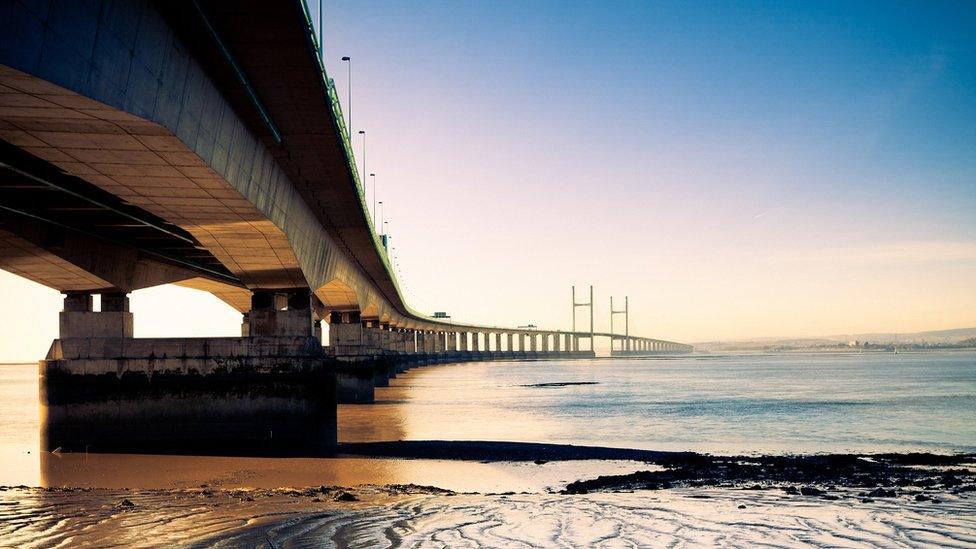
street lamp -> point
(321, 47)
(348, 61)
(373, 176)
(363, 133)
(381, 228)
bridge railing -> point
(346, 136)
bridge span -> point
(201, 143)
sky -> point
(738, 169)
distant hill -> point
(963, 336)
(936, 336)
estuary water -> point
(720, 404)
(775, 403)
(743, 404)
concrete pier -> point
(240, 396)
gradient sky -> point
(738, 169)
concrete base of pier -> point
(239, 396)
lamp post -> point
(363, 133)
(321, 47)
(348, 61)
(380, 227)
(373, 177)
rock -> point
(124, 504)
(867, 500)
(921, 497)
(742, 507)
(881, 493)
(540, 462)
(791, 490)
(345, 496)
(950, 480)
(810, 491)
(830, 497)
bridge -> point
(201, 143)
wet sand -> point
(886, 499)
(409, 516)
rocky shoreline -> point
(828, 476)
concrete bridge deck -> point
(201, 143)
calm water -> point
(719, 404)
(723, 404)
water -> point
(776, 403)
(729, 404)
(780, 403)
(720, 404)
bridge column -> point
(463, 347)
(498, 341)
(421, 343)
(280, 313)
(346, 333)
(393, 339)
(476, 342)
(387, 342)
(439, 342)
(407, 343)
(79, 319)
(371, 344)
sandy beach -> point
(904, 500)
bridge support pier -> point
(79, 319)
(103, 390)
(279, 313)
